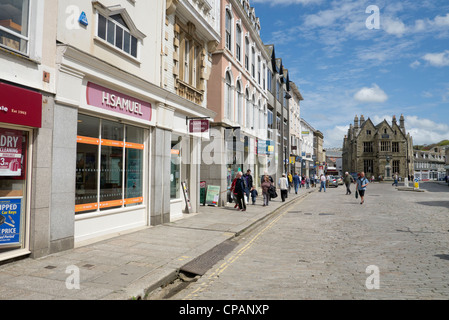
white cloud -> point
(373, 94)
(425, 131)
(437, 59)
(442, 21)
(394, 26)
(415, 64)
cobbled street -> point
(329, 246)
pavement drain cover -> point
(326, 214)
(308, 214)
(50, 267)
(204, 262)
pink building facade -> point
(237, 93)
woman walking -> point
(266, 184)
(362, 183)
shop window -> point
(175, 168)
(14, 16)
(13, 184)
(109, 168)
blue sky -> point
(343, 68)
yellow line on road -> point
(238, 254)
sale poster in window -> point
(10, 210)
(10, 152)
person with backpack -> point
(362, 183)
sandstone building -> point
(379, 150)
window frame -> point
(19, 35)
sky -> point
(375, 58)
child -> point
(254, 194)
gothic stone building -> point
(378, 150)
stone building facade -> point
(380, 150)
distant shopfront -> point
(20, 116)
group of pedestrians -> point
(242, 188)
(361, 182)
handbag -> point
(356, 194)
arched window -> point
(228, 97)
(239, 104)
(248, 110)
(228, 29)
(246, 53)
(238, 43)
(255, 113)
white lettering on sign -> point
(128, 105)
(8, 141)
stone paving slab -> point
(126, 266)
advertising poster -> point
(10, 210)
(213, 195)
(10, 153)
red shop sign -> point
(196, 126)
(20, 106)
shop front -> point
(20, 118)
(112, 152)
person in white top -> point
(283, 186)
(323, 183)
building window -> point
(14, 17)
(368, 166)
(368, 132)
(175, 167)
(396, 166)
(367, 147)
(228, 97)
(115, 31)
(239, 104)
(246, 53)
(238, 43)
(228, 29)
(269, 78)
(253, 62)
(109, 165)
(264, 75)
(258, 70)
(395, 146)
(385, 146)
(248, 110)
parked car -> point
(333, 181)
(340, 181)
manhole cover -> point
(203, 263)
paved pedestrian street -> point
(329, 246)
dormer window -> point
(115, 31)
(116, 28)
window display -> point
(109, 169)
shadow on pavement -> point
(444, 204)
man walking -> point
(239, 191)
(283, 186)
(249, 183)
(395, 182)
(296, 182)
(348, 180)
(362, 183)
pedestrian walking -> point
(348, 180)
(296, 182)
(323, 183)
(362, 183)
(254, 194)
(249, 183)
(266, 184)
(283, 186)
(395, 182)
(239, 191)
(290, 181)
(307, 183)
